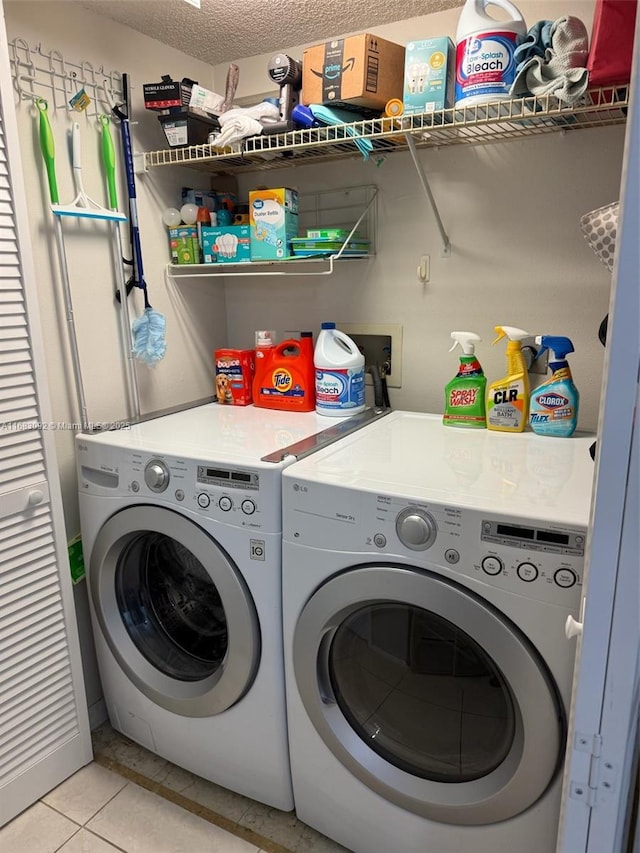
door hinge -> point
(602, 773)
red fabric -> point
(611, 48)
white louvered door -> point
(44, 729)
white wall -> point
(511, 210)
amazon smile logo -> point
(333, 72)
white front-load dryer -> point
(181, 527)
(428, 573)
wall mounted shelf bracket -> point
(445, 249)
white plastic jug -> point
(485, 65)
(339, 367)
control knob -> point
(156, 476)
(416, 528)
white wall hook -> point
(424, 268)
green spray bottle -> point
(465, 394)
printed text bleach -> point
(485, 64)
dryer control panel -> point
(537, 558)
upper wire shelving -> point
(481, 124)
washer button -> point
(225, 504)
(203, 500)
(566, 578)
(379, 540)
(248, 507)
(452, 556)
(527, 572)
(492, 565)
(179, 495)
(135, 486)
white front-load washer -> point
(428, 573)
(181, 525)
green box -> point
(184, 245)
(76, 559)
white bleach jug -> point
(485, 65)
(339, 367)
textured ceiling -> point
(224, 31)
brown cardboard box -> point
(362, 70)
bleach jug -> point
(485, 47)
(339, 369)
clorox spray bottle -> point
(485, 47)
(554, 404)
(465, 394)
(508, 398)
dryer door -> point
(175, 611)
(428, 695)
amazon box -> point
(358, 71)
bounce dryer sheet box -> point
(225, 244)
(360, 71)
(429, 76)
(273, 219)
(234, 376)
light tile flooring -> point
(130, 800)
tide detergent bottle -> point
(508, 398)
(465, 394)
(554, 404)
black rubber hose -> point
(378, 394)
(385, 392)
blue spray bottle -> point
(553, 408)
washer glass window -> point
(170, 607)
(421, 692)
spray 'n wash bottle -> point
(508, 398)
(465, 394)
(554, 404)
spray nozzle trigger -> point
(559, 345)
(467, 340)
(511, 332)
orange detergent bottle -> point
(287, 379)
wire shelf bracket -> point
(445, 249)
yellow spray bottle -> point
(508, 398)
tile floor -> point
(130, 800)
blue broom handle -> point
(133, 206)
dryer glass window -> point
(171, 608)
(421, 693)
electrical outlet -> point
(381, 344)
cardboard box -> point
(226, 244)
(234, 376)
(184, 245)
(429, 76)
(273, 218)
(167, 94)
(362, 70)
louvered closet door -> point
(44, 730)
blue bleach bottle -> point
(339, 367)
(485, 48)
(553, 408)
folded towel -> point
(561, 71)
(332, 115)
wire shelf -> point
(499, 121)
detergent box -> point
(234, 376)
(429, 75)
(225, 244)
(183, 244)
(360, 71)
(273, 220)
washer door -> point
(428, 695)
(175, 611)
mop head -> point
(149, 345)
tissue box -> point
(429, 76)
(234, 376)
(226, 244)
(273, 219)
(361, 71)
